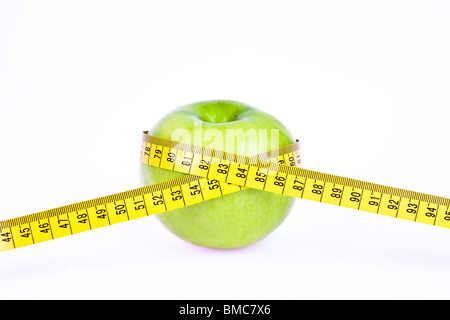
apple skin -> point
(235, 220)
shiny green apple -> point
(235, 220)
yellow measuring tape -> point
(212, 174)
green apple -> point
(235, 220)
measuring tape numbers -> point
(211, 174)
(141, 202)
(290, 180)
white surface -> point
(363, 85)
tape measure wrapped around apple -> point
(205, 188)
(243, 218)
(235, 220)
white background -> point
(364, 85)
